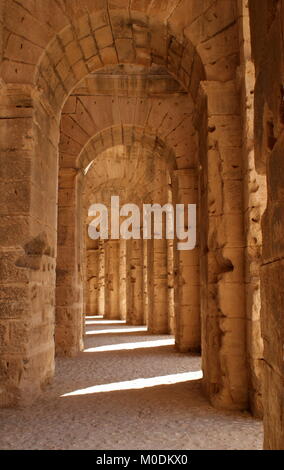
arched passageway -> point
(154, 104)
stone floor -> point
(99, 400)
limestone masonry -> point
(157, 102)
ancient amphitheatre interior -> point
(155, 101)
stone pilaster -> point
(188, 322)
(112, 306)
(122, 279)
(135, 309)
(146, 278)
(101, 279)
(28, 175)
(255, 200)
(158, 322)
(222, 247)
(69, 279)
(171, 287)
(92, 275)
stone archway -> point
(58, 58)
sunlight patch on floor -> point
(138, 383)
(117, 330)
(129, 346)
(105, 322)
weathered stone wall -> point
(2, 7)
(267, 29)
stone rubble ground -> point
(166, 417)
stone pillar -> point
(92, 280)
(255, 201)
(146, 277)
(96, 279)
(122, 280)
(101, 279)
(135, 308)
(171, 245)
(112, 306)
(28, 176)
(222, 247)
(158, 311)
(272, 296)
(188, 321)
(171, 288)
(69, 301)
(158, 322)
(272, 323)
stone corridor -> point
(165, 104)
(112, 409)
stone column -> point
(222, 247)
(158, 322)
(171, 255)
(158, 311)
(69, 295)
(272, 296)
(135, 309)
(188, 321)
(96, 279)
(112, 306)
(122, 280)
(92, 280)
(101, 279)
(171, 287)
(255, 201)
(28, 186)
(146, 277)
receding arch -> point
(92, 42)
(125, 136)
(87, 112)
(71, 187)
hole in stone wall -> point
(271, 139)
(225, 264)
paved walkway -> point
(127, 390)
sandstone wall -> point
(1, 28)
(267, 29)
